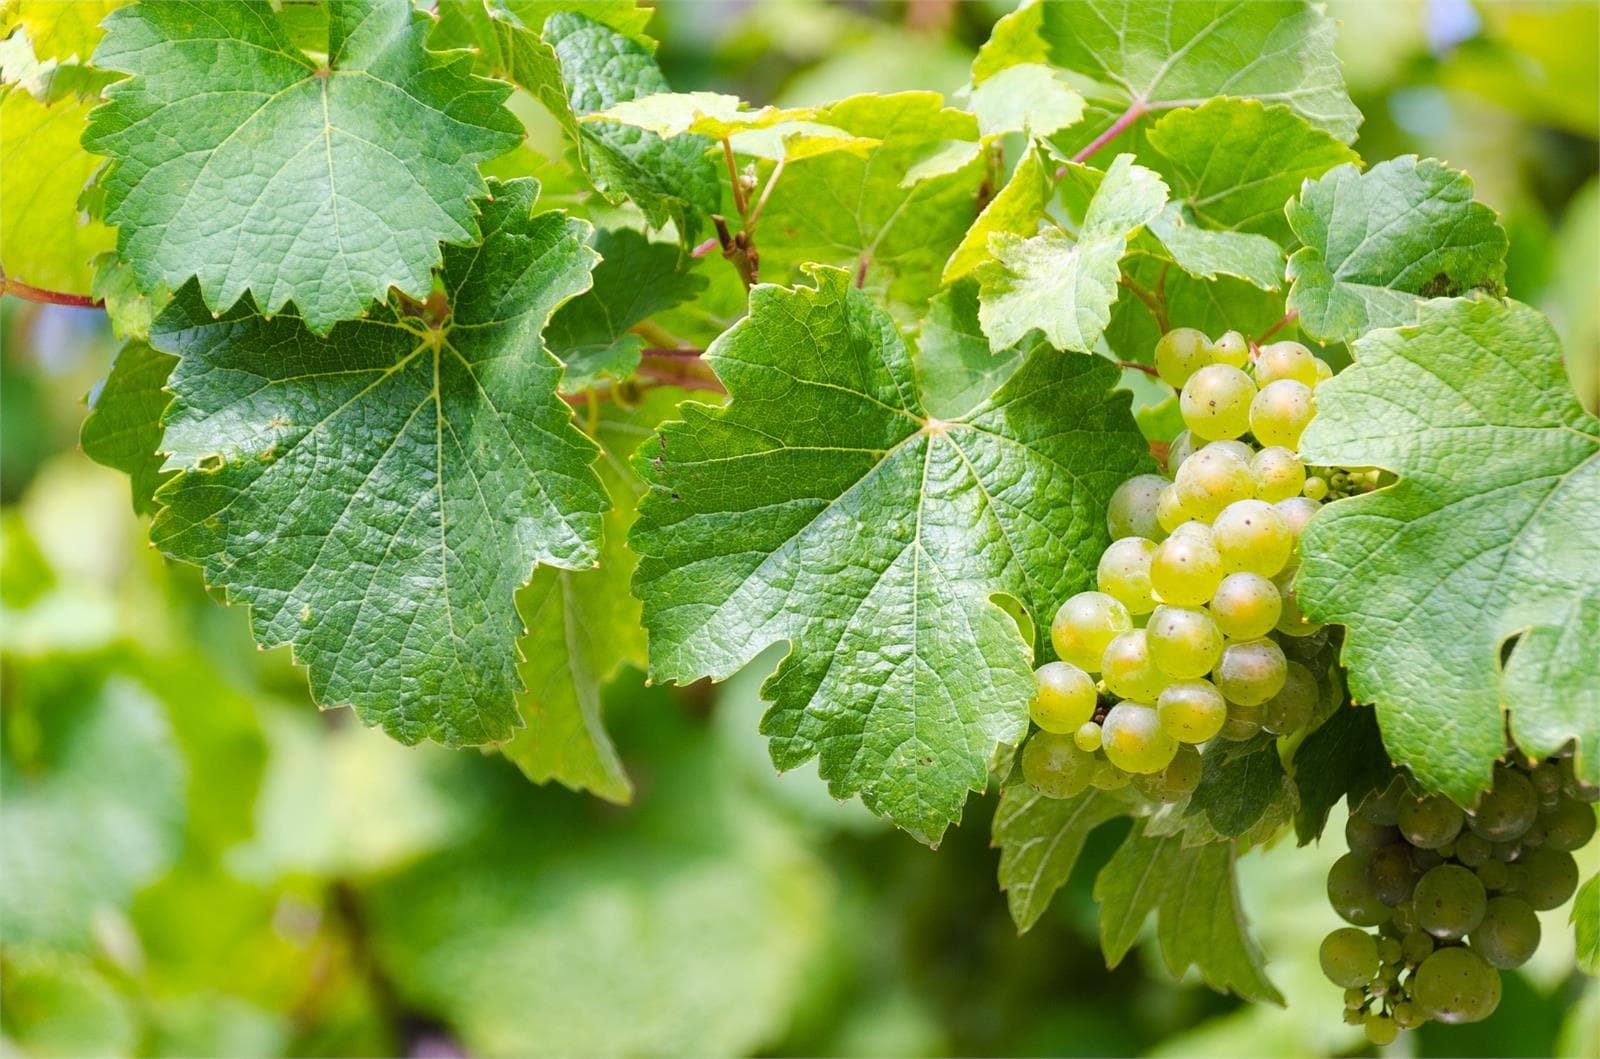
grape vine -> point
(1109, 434)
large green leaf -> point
(1377, 243)
(956, 369)
(825, 507)
(583, 626)
(841, 209)
(1208, 254)
(1039, 840)
(241, 160)
(1235, 162)
(1061, 285)
(377, 496)
(1468, 588)
(1198, 919)
(45, 238)
(123, 431)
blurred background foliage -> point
(196, 862)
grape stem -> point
(1155, 300)
(1284, 321)
(1133, 365)
(1136, 110)
(733, 178)
(28, 292)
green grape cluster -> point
(1454, 895)
(1191, 631)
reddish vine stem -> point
(1135, 111)
(733, 177)
(1284, 321)
(28, 292)
(1155, 302)
(1133, 365)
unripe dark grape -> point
(1569, 825)
(1430, 822)
(1546, 878)
(1493, 874)
(1473, 850)
(1351, 894)
(1391, 873)
(1457, 985)
(1416, 946)
(1506, 811)
(1509, 933)
(1363, 836)
(1448, 902)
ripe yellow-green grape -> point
(1286, 360)
(1231, 349)
(1296, 512)
(1175, 782)
(1084, 625)
(1054, 766)
(1169, 511)
(1132, 510)
(1212, 479)
(1215, 402)
(1180, 353)
(1087, 737)
(1192, 711)
(1124, 573)
(1280, 411)
(1316, 487)
(1251, 671)
(1064, 697)
(1184, 641)
(1279, 474)
(1291, 709)
(1107, 777)
(1132, 739)
(1181, 448)
(1324, 371)
(1246, 606)
(1186, 570)
(1251, 537)
(1292, 621)
(1128, 669)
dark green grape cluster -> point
(1452, 894)
(1194, 632)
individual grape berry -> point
(1429, 822)
(1184, 642)
(1456, 985)
(1324, 371)
(1407, 1015)
(1180, 353)
(1064, 697)
(1416, 946)
(1296, 512)
(1252, 538)
(1449, 902)
(1291, 619)
(1130, 671)
(1545, 878)
(1133, 740)
(1509, 933)
(1185, 570)
(1246, 606)
(1087, 737)
(1355, 998)
(1285, 360)
(1380, 1029)
(1054, 766)
(1472, 850)
(1084, 625)
(1401, 919)
(1292, 708)
(1175, 782)
(1169, 512)
(1212, 479)
(1389, 950)
(1251, 671)
(1231, 349)
(1391, 874)
(1507, 809)
(1426, 858)
(1493, 874)
(1569, 825)
(1280, 411)
(1242, 723)
(1315, 488)
(1192, 711)
(1124, 573)
(1215, 402)
(1132, 509)
(1351, 894)
(1363, 835)
(1180, 449)
(1107, 777)
(1196, 529)
(1349, 957)
(1279, 474)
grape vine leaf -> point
(1244, 794)
(1486, 539)
(1343, 758)
(825, 507)
(1065, 286)
(635, 280)
(239, 159)
(1585, 918)
(584, 627)
(853, 211)
(123, 429)
(376, 496)
(577, 66)
(45, 238)
(1154, 56)
(1208, 254)
(1040, 838)
(1213, 306)
(1379, 242)
(1016, 208)
(956, 369)
(64, 32)
(1198, 919)
(1029, 98)
(716, 115)
(1233, 163)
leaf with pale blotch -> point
(1062, 285)
(716, 115)
(1343, 758)
(825, 507)
(123, 431)
(45, 237)
(377, 496)
(852, 211)
(793, 141)
(1234, 163)
(1029, 98)
(583, 626)
(1039, 840)
(1378, 243)
(241, 160)
(1195, 896)
(1017, 208)
(1467, 588)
